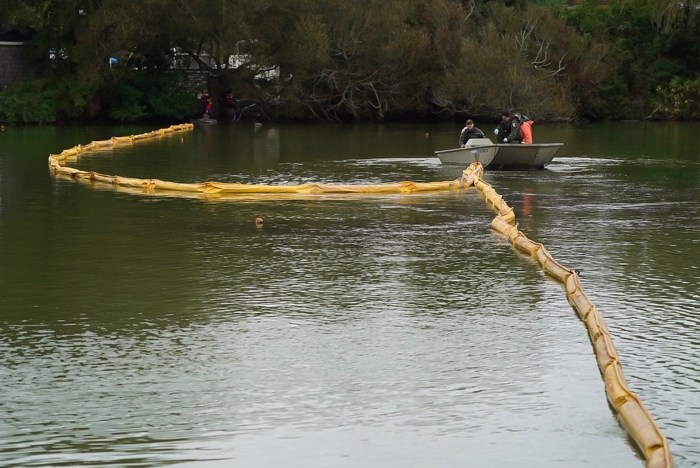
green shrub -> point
(29, 102)
(680, 99)
(42, 101)
(136, 95)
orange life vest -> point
(526, 132)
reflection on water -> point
(362, 331)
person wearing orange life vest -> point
(526, 129)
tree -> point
(677, 15)
(366, 59)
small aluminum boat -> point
(501, 156)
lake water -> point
(378, 331)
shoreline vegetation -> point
(359, 61)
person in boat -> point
(526, 129)
(469, 132)
(508, 130)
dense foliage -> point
(341, 60)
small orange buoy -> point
(258, 222)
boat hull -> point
(502, 156)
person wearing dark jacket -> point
(508, 130)
(469, 132)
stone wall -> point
(14, 66)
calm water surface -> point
(348, 331)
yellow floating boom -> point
(220, 189)
(631, 412)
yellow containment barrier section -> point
(216, 190)
(632, 414)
